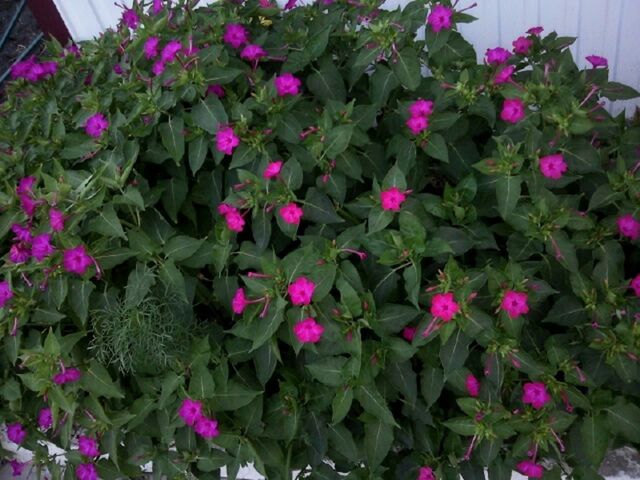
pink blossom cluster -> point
(273, 170)
(291, 213)
(86, 471)
(439, 17)
(514, 303)
(130, 18)
(226, 140)
(444, 306)
(308, 330)
(232, 217)
(536, 395)
(419, 112)
(191, 412)
(553, 166)
(67, 375)
(287, 84)
(513, 110)
(392, 198)
(33, 71)
(629, 226)
(96, 124)
(426, 473)
(301, 291)
(530, 469)
(168, 54)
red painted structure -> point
(49, 20)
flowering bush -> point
(312, 240)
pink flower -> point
(16, 467)
(130, 18)
(217, 90)
(158, 68)
(22, 233)
(291, 213)
(421, 108)
(151, 47)
(504, 75)
(496, 56)
(45, 418)
(235, 35)
(597, 61)
(535, 394)
(6, 293)
(301, 291)
(290, 4)
(273, 169)
(530, 469)
(417, 125)
(190, 411)
(56, 220)
(629, 227)
(25, 186)
(536, 31)
(408, 333)
(512, 110)
(41, 247)
(308, 331)
(76, 260)
(225, 208)
(96, 124)
(88, 446)
(235, 221)
(553, 166)
(287, 84)
(426, 473)
(473, 385)
(226, 140)
(157, 6)
(117, 68)
(440, 18)
(28, 205)
(252, 53)
(16, 433)
(514, 303)
(86, 471)
(170, 51)
(70, 375)
(391, 199)
(239, 302)
(634, 284)
(522, 45)
(444, 306)
(19, 253)
(207, 428)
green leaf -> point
(337, 140)
(174, 195)
(182, 247)
(235, 396)
(138, 285)
(455, 351)
(392, 318)
(77, 146)
(595, 439)
(208, 114)
(328, 370)
(97, 380)
(624, 419)
(341, 404)
(374, 404)
(455, 240)
(326, 83)
(318, 208)
(107, 223)
(342, 440)
(79, 293)
(407, 68)
(261, 228)
(619, 91)
(508, 190)
(221, 75)
(197, 153)
(268, 326)
(378, 438)
(461, 425)
(437, 147)
(431, 383)
(172, 135)
(201, 385)
(173, 279)
(381, 84)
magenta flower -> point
(88, 446)
(273, 170)
(291, 213)
(235, 221)
(512, 110)
(239, 302)
(597, 61)
(235, 35)
(6, 293)
(530, 469)
(151, 47)
(634, 284)
(391, 199)
(301, 291)
(22, 233)
(472, 385)
(157, 7)
(417, 125)
(16, 432)
(514, 303)
(69, 375)
(96, 124)
(16, 467)
(170, 51)
(553, 166)
(444, 306)
(130, 18)
(629, 227)
(56, 220)
(421, 108)
(217, 90)
(308, 331)
(535, 31)
(522, 45)
(426, 473)
(41, 247)
(290, 4)
(28, 205)
(19, 253)
(504, 75)
(190, 411)
(535, 394)
(207, 428)
(76, 260)
(45, 418)
(86, 471)
(287, 84)
(158, 68)
(25, 185)
(226, 140)
(408, 333)
(440, 18)
(252, 53)
(117, 69)
(496, 56)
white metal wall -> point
(604, 27)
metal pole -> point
(12, 23)
(24, 53)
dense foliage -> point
(313, 240)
